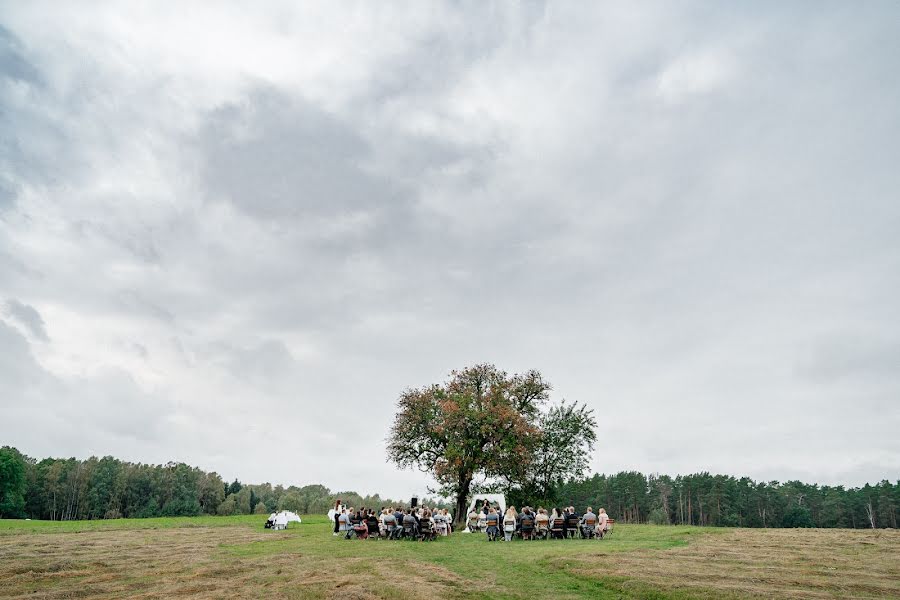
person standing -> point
(338, 507)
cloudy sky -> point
(232, 237)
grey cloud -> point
(28, 316)
(13, 64)
(681, 215)
(278, 157)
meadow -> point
(235, 557)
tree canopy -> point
(485, 429)
(12, 482)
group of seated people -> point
(395, 523)
(530, 524)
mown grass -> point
(208, 557)
(10, 526)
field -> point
(216, 557)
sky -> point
(233, 234)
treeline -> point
(108, 488)
(722, 500)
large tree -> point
(484, 427)
(12, 483)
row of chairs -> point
(528, 529)
(424, 531)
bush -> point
(797, 516)
(227, 507)
(658, 517)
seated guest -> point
(410, 520)
(372, 523)
(472, 521)
(398, 515)
(493, 524)
(603, 525)
(388, 521)
(573, 521)
(542, 522)
(509, 523)
(588, 523)
(561, 515)
(344, 524)
(526, 523)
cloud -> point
(28, 317)
(247, 245)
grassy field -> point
(216, 557)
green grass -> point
(10, 526)
(213, 557)
(540, 567)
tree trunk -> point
(462, 495)
(870, 514)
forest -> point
(724, 500)
(109, 488)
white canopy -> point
(284, 517)
(291, 517)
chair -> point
(426, 531)
(409, 530)
(558, 529)
(542, 529)
(587, 529)
(572, 523)
(527, 528)
(441, 527)
(373, 526)
(602, 532)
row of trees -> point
(108, 488)
(104, 488)
(723, 500)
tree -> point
(291, 501)
(227, 507)
(797, 516)
(562, 450)
(12, 483)
(483, 427)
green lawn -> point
(211, 557)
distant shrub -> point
(731, 520)
(797, 516)
(227, 507)
(658, 517)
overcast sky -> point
(232, 237)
